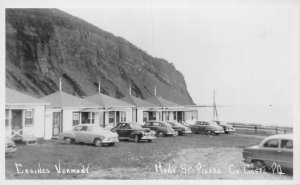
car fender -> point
(136, 132)
(66, 134)
(92, 137)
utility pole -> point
(215, 112)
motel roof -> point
(64, 100)
(157, 100)
(138, 102)
(107, 101)
(13, 97)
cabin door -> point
(16, 124)
(56, 124)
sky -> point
(248, 51)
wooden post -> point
(276, 130)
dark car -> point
(227, 128)
(273, 151)
(161, 128)
(133, 131)
(181, 129)
(206, 127)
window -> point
(145, 116)
(91, 117)
(174, 115)
(273, 143)
(28, 117)
(288, 144)
(75, 118)
(123, 116)
(152, 115)
(168, 116)
(7, 118)
(87, 117)
(111, 117)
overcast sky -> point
(245, 50)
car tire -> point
(180, 133)
(160, 134)
(136, 138)
(217, 134)
(97, 142)
(112, 144)
(68, 140)
(149, 140)
(208, 132)
(258, 164)
(226, 132)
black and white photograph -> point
(149, 91)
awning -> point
(169, 109)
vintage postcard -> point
(150, 91)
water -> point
(268, 115)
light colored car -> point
(10, 146)
(89, 133)
(275, 148)
(206, 127)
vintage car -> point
(181, 129)
(10, 146)
(161, 128)
(133, 131)
(89, 133)
(206, 127)
(227, 128)
(273, 151)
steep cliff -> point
(45, 44)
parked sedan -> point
(161, 128)
(89, 133)
(134, 131)
(227, 128)
(206, 127)
(10, 146)
(181, 129)
(272, 151)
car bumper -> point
(148, 137)
(115, 140)
(230, 130)
(171, 133)
(218, 131)
(187, 132)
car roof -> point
(281, 136)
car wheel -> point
(112, 144)
(226, 132)
(136, 138)
(149, 140)
(175, 134)
(97, 142)
(258, 164)
(208, 132)
(216, 134)
(180, 133)
(68, 140)
(160, 134)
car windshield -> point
(135, 126)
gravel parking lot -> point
(182, 157)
